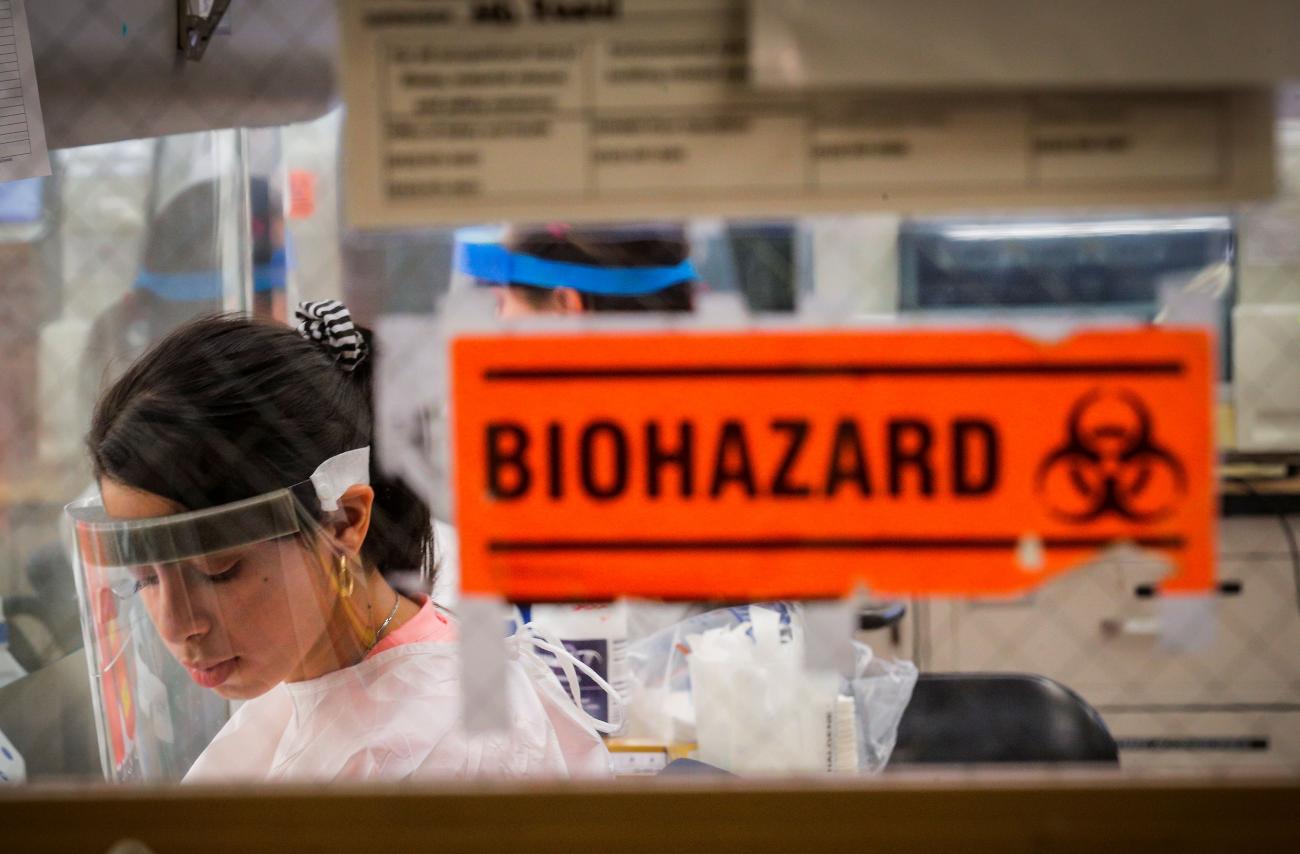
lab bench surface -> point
(962, 812)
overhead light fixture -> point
(1096, 228)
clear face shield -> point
(184, 612)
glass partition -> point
(122, 244)
(129, 241)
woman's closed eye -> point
(225, 575)
(143, 581)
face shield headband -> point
(108, 542)
(481, 255)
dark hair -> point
(226, 408)
(626, 246)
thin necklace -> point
(397, 600)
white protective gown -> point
(396, 716)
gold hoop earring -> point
(344, 577)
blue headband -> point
(181, 287)
(201, 287)
(493, 263)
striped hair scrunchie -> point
(329, 323)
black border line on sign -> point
(768, 544)
(846, 369)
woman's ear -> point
(567, 301)
(351, 527)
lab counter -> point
(959, 812)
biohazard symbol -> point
(1111, 463)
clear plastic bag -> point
(755, 683)
(660, 707)
(881, 690)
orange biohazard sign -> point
(755, 465)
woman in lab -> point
(561, 269)
(240, 508)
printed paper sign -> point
(479, 110)
(23, 152)
(765, 465)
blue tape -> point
(494, 264)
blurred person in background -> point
(559, 269)
(180, 278)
